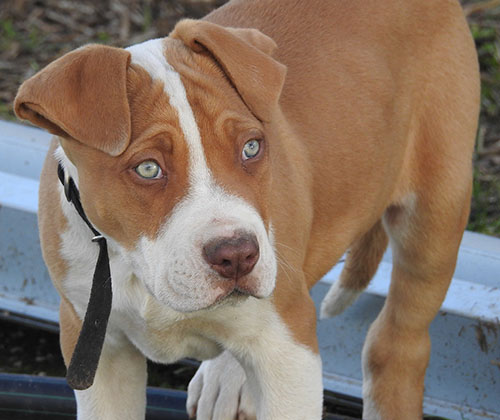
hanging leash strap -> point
(83, 365)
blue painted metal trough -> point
(463, 379)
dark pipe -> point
(43, 398)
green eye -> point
(251, 149)
(149, 170)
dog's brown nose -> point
(232, 257)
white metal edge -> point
(32, 311)
(18, 193)
(16, 133)
(464, 298)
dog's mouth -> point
(229, 293)
(231, 298)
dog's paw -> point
(219, 391)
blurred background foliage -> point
(35, 32)
(484, 21)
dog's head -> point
(171, 142)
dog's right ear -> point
(245, 57)
(83, 96)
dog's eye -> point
(251, 149)
(149, 169)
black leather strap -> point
(85, 359)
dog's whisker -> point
(283, 245)
(288, 270)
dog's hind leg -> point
(425, 237)
(360, 265)
(425, 223)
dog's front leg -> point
(286, 381)
(282, 360)
(290, 387)
(119, 389)
(271, 367)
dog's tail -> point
(360, 265)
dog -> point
(229, 166)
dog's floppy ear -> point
(244, 55)
(82, 95)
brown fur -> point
(363, 258)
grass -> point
(487, 40)
(28, 41)
(485, 205)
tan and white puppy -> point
(230, 168)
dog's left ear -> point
(81, 96)
(245, 56)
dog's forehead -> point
(151, 55)
(207, 109)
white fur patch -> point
(77, 246)
(150, 55)
(337, 300)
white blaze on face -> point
(172, 265)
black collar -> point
(83, 365)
